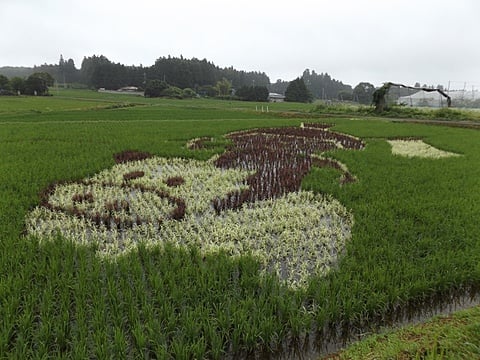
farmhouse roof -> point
(276, 96)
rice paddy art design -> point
(417, 148)
(247, 201)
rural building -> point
(274, 97)
(128, 89)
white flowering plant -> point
(417, 148)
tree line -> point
(183, 78)
(35, 84)
(201, 76)
(98, 71)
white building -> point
(274, 97)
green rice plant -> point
(414, 238)
(120, 346)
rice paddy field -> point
(158, 229)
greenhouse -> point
(460, 98)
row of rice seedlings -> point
(44, 323)
(199, 322)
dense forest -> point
(98, 71)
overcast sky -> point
(429, 41)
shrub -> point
(189, 93)
(155, 88)
(173, 92)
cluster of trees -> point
(181, 77)
(202, 76)
(64, 72)
(195, 73)
(253, 93)
(160, 88)
(363, 93)
(297, 91)
(321, 86)
(99, 72)
(36, 84)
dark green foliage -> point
(62, 73)
(189, 93)
(4, 82)
(155, 88)
(345, 95)
(323, 86)
(363, 93)
(38, 83)
(17, 85)
(67, 72)
(207, 91)
(5, 86)
(98, 71)
(297, 91)
(159, 88)
(173, 92)
(378, 98)
(253, 93)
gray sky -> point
(429, 41)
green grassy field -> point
(444, 337)
(415, 235)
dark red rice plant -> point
(280, 157)
(175, 181)
(130, 155)
(133, 175)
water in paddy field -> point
(331, 339)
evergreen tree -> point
(323, 86)
(297, 91)
(253, 93)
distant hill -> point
(20, 71)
